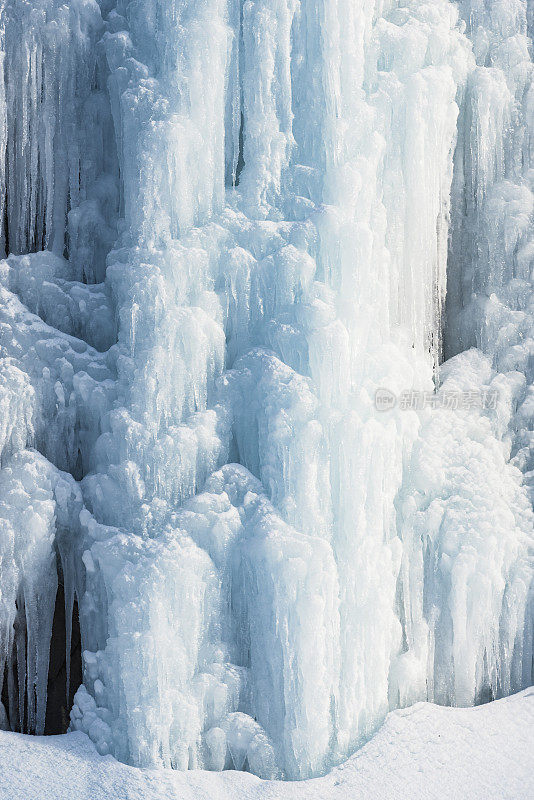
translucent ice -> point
(228, 228)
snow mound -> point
(424, 752)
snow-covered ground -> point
(425, 751)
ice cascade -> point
(238, 239)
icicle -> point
(267, 99)
(47, 71)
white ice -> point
(226, 225)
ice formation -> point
(226, 226)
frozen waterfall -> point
(239, 240)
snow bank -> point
(424, 752)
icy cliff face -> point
(250, 213)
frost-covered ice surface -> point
(227, 225)
(492, 248)
(423, 752)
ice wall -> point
(56, 144)
(492, 246)
(244, 210)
